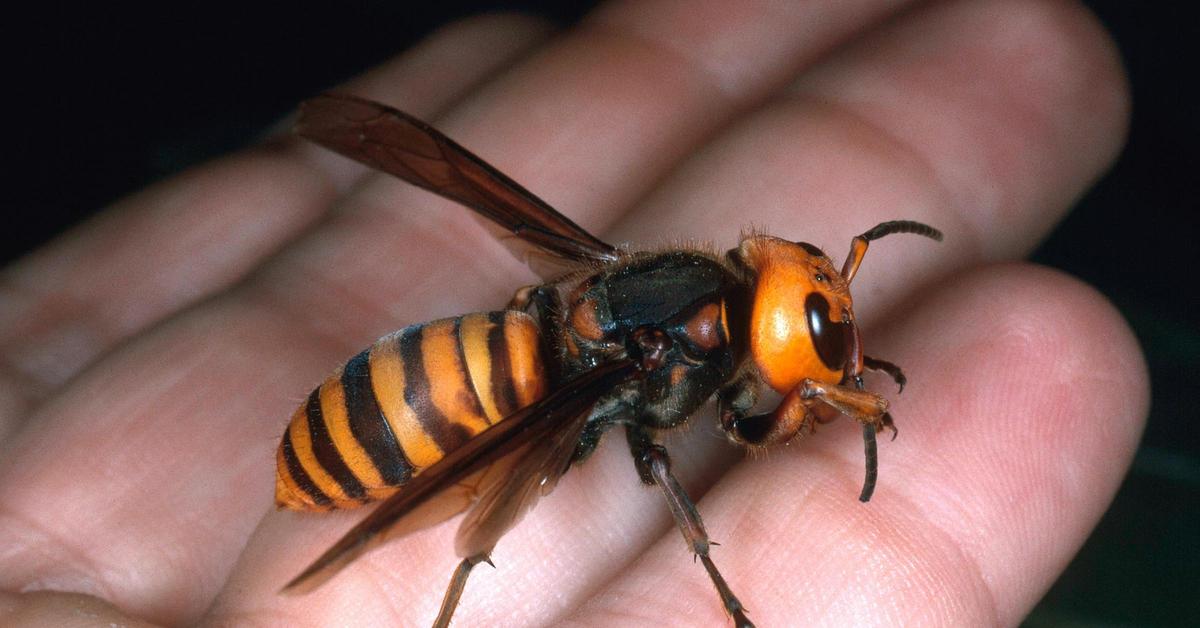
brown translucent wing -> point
(502, 505)
(477, 466)
(394, 142)
(452, 500)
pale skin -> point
(153, 355)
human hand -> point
(154, 355)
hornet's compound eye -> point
(828, 337)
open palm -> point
(153, 356)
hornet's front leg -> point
(654, 467)
(809, 403)
(893, 371)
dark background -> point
(108, 99)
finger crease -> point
(969, 232)
(86, 575)
(705, 74)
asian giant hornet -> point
(484, 412)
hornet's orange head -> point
(802, 317)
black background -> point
(106, 99)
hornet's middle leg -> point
(654, 467)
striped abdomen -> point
(401, 405)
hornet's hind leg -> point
(454, 591)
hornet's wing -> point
(394, 142)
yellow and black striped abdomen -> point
(401, 405)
